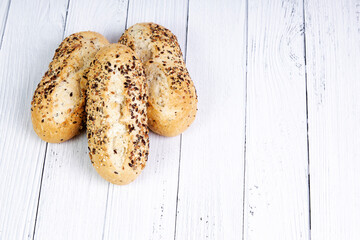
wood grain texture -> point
(276, 191)
(23, 61)
(145, 209)
(52, 191)
(333, 76)
(211, 167)
(73, 195)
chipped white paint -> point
(223, 40)
(276, 185)
(211, 167)
(333, 77)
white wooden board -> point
(145, 209)
(26, 50)
(276, 185)
(212, 153)
(73, 195)
(241, 170)
(333, 76)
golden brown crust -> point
(172, 95)
(116, 114)
(57, 108)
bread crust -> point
(58, 104)
(172, 94)
(116, 114)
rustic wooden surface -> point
(274, 152)
(276, 184)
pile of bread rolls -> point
(117, 91)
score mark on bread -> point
(58, 105)
(116, 114)
(172, 95)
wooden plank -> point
(28, 45)
(105, 17)
(333, 76)
(211, 167)
(146, 207)
(69, 179)
(276, 184)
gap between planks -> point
(178, 182)
(307, 119)
(246, 77)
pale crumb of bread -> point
(143, 46)
(66, 98)
(118, 141)
(158, 85)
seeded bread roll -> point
(172, 95)
(58, 105)
(116, 114)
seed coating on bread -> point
(172, 95)
(116, 114)
(58, 105)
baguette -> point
(172, 101)
(57, 108)
(116, 114)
